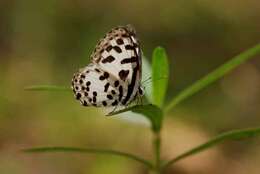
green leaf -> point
(47, 88)
(231, 135)
(87, 150)
(152, 112)
(160, 74)
(213, 76)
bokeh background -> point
(45, 42)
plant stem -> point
(213, 76)
(89, 150)
(157, 153)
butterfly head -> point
(130, 29)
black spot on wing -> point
(88, 83)
(102, 78)
(104, 103)
(97, 70)
(119, 41)
(125, 35)
(106, 75)
(116, 83)
(78, 96)
(85, 103)
(120, 93)
(129, 47)
(115, 103)
(117, 49)
(109, 48)
(94, 99)
(110, 97)
(129, 60)
(106, 87)
(123, 74)
(109, 59)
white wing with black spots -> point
(91, 91)
(113, 78)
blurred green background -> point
(45, 42)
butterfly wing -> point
(119, 54)
(113, 78)
(93, 87)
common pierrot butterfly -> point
(114, 75)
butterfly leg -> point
(110, 113)
(139, 96)
(140, 100)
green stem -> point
(47, 88)
(213, 76)
(231, 135)
(87, 150)
(157, 153)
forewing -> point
(119, 54)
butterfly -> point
(113, 78)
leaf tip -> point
(159, 50)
